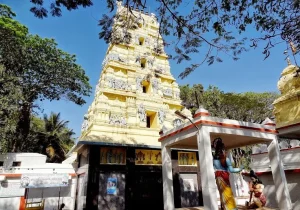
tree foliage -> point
(49, 136)
(32, 69)
(215, 27)
(53, 137)
(249, 106)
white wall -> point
(82, 191)
(51, 196)
(35, 164)
(291, 160)
(293, 180)
(26, 159)
(10, 203)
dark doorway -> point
(123, 187)
(111, 196)
(148, 191)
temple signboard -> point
(147, 157)
(113, 155)
(44, 180)
(187, 159)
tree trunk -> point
(23, 126)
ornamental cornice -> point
(165, 76)
(163, 55)
(119, 92)
(152, 99)
(131, 45)
(126, 66)
(152, 132)
(172, 101)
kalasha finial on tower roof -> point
(293, 48)
(287, 57)
(119, 4)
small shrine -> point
(203, 133)
(287, 117)
(287, 106)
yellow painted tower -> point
(287, 106)
(136, 95)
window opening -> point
(148, 122)
(16, 164)
(141, 41)
(143, 63)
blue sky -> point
(76, 32)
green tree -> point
(248, 106)
(215, 27)
(12, 34)
(55, 137)
(191, 96)
(50, 136)
(35, 69)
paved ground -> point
(239, 207)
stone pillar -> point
(167, 178)
(282, 192)
(208, 181)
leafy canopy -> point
(32, 68)
(248, 106)
(50, 136)
(215, 27)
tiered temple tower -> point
(136, 95)
(119, 156)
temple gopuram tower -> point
(136, 94)
(119, 156)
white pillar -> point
(282, 192)
(208, 181)
(167, 178)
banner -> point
(44, 180)
(147, 157)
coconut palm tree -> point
(56, 138)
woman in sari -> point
(223, 167)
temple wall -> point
(260, 163)
(293, 182)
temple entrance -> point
(124, 182)
(147, 190)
